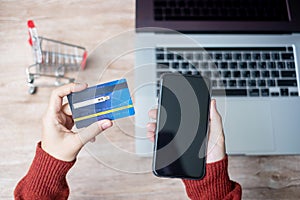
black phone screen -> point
(182, 125)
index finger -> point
(58, 94)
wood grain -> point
(88, 23)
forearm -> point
(46, 178)
(215, 185)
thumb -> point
(214, 114)
(93, 130)
(215, 120)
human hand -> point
(58, 139)
(216, 140)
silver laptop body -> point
(260, 103)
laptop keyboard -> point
(235, 71)
(254, 10)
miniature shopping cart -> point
(54, 61)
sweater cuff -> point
(47, 175)
(215, 185)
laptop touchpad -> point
(248, 127)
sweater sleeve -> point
(46, 178)
(215, 185)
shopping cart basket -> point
(54, 60)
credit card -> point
(105, 101)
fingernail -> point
(79, 86)
(215, 104)
(106, 125)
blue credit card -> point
(105, 101)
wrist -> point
(215, 185)
(57, 152)
(47, 175)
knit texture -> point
(46, 178)
(215, 185)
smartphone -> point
(182, 126)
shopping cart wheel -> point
(32, 90)
(30, 79)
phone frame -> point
(208, 83)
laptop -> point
(250, 49)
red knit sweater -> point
(46, 179)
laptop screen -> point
(220, 15)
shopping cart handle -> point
(30, 24)
(84, 58)
(34, 41)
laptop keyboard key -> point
(254, 92)
(290, 65)
(233, 65)
(226, 74)
(256, 56)
(246, 74)
(287, 56)
(275, 56)
(261, 83)
(224, 65)
(271, 65)
(214, 83)
(262, 65)
(223, 83)
(280, 65)
(207, 74)
(266, 56)
(275, 74)
(189, 56)
(251, 83)
(184, 65)
(252, 65)
(264, 92)
(218, 56)
(242, 83)
(216, 74)
(175, 65)
(289, 74)
(247, 56)
(243, 65)
(265, 74)
(284, 92)
(255, 74)
(292, 82)
(179, 57)
(170, 56)
(237, 56)
(227, 56)
(236, 74)
(195, 65)
(204, 65)
(294, 94)
(198, 56)
(163, 65)
(290, 49)
(232, 83)
(160, 56)
(275, 94)
(271, 83)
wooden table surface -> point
(88, 23)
